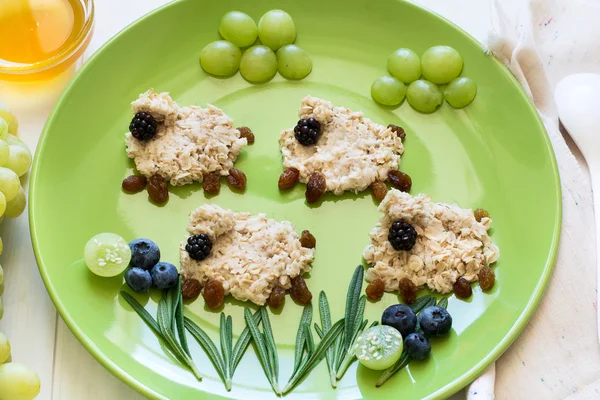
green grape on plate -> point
(276, 28)
(9, 183)
(1, 281)
(441, 64)
(16, 206)
(4, 152)
(3, 128)
(404, 65)
(18, 382)
(388, 91)
(220, 58)
(19, 160)
(4, 348)
(424, 96)
(107, 254)
(238, 28)
(293, 62)
(460, 92)
(13, 140)
(259, 64)
(7, 115)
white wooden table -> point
(554, 358)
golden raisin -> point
(375, 289)
(277, 297)
(486, 278)
(462, 288)
(288, 178)
(315, 187)
(408, 290)
(214, 293)
(480, 214)
(212, 183)
(399, 131)
(158, 189)
(237, 179)
(247, 133)
(400, 180)
(134, 183)
(308, 240)
(379, 190)
(299, 291)
(190, 288)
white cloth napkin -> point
(541, 41)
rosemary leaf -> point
(207, 344)
(325, 314)
(349, 357)
(352, 300)
(443, 303)
(310, 342)
(318, 330)
(141, 311)
(270, 341)
(179, 319)
(388, 373)
(242, 344)
(420, 303)
(226, 343)
(305, 319)
(261, 346)
(317, 355)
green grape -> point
(1, 249)
(276, 28)
(293, 62)
(1, 281)
(19, 160)
(460, 92)
(238, 28)
(107, 254)
(9, 117)
(16, 206)
(424, 96)
(4, 348)
(3, 203)
(379, 347)
(12, 140)
(9, 183)
(388, 91)
(3, 128)
(259, 64)
(4, 152)
(441, 64)
(220, 58)
(405, 65)
(18, 382)
(1, 315)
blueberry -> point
(417, 346)
(401, 317)
(435, 321)
(138, 279)
(164, 275)
(144, 253)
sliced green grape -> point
(424, 96)
(276, 28)
(18, 382)
(460, 92)
(107, 254)
(16, 206)
(4, 348)
(12, 140)
(4, 152)
(9, 183)
(9, 117)
(379, 347)
(441, 64)
(19, 160)
(388, 91)
(238, 28)
(3, 128)
(405, 65)
(259, 64)
(293, 62)
(220, 58)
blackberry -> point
(143, 126)
(307, 131)
(402, 235)
(198, 246)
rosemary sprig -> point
(419, 305)
(300, 337)
(325, 313)
(226, 329)
(209, 347)
(264, 354)
(163, 327)
(242, 344)
(317, 355)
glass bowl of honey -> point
(42, 38)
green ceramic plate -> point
(494, 154)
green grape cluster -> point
(438, 65)
(276, 32)
(17, 381)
